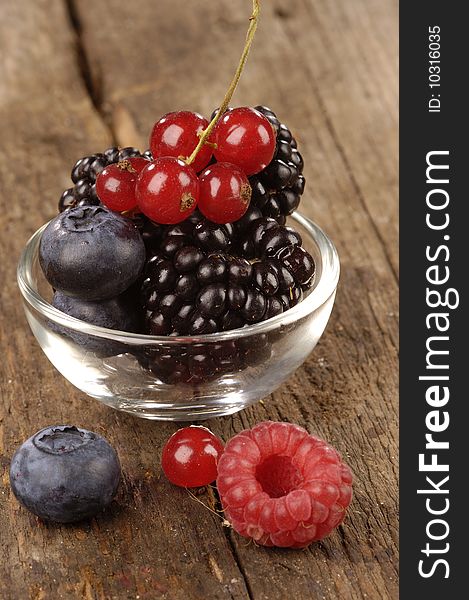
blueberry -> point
(65, 474)
(119, 313)
(91, 253)
(116, 313)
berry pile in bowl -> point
(170, 285)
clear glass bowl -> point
(144, 375)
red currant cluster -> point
(215, 180)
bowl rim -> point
(323, 290)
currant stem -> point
(226, 100)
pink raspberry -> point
(281, 486)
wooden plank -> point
(312, 62)
(157, 541)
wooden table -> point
(79, 74)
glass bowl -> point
(147, 375)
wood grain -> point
(77, 74)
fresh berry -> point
(190, 457)
(177, 134)
(245, 138)
(299, 262)
(213, 237)
(281, 486)
(115, 185)
(277, 189)
(122, 313)
(194, 283)
(65, 474)
(151, 232)
(225, 193)
(112, 154)
(194, 273)
(91, 253)
(128, 152)
(117, 313)
(85, 173)
(67, 200)
(81, 168)
(167, 190)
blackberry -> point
(204, 277)
(196, 284)
(277, 190)
(86, 170)
(128, 152)
(150, 232)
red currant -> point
(177, 134)
(167, 190)
(115, 185)
(245, 138)
(225, 193)
(190, 457)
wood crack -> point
(93, 84)
(232, 546)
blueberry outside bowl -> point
(145, 375)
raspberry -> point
(281, 486)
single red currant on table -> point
(115, 185)
(190, 457)
(167, 190)
(177, 134)
(245, 138)
(225, 193)
(281, 486)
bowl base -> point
(181, 412)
